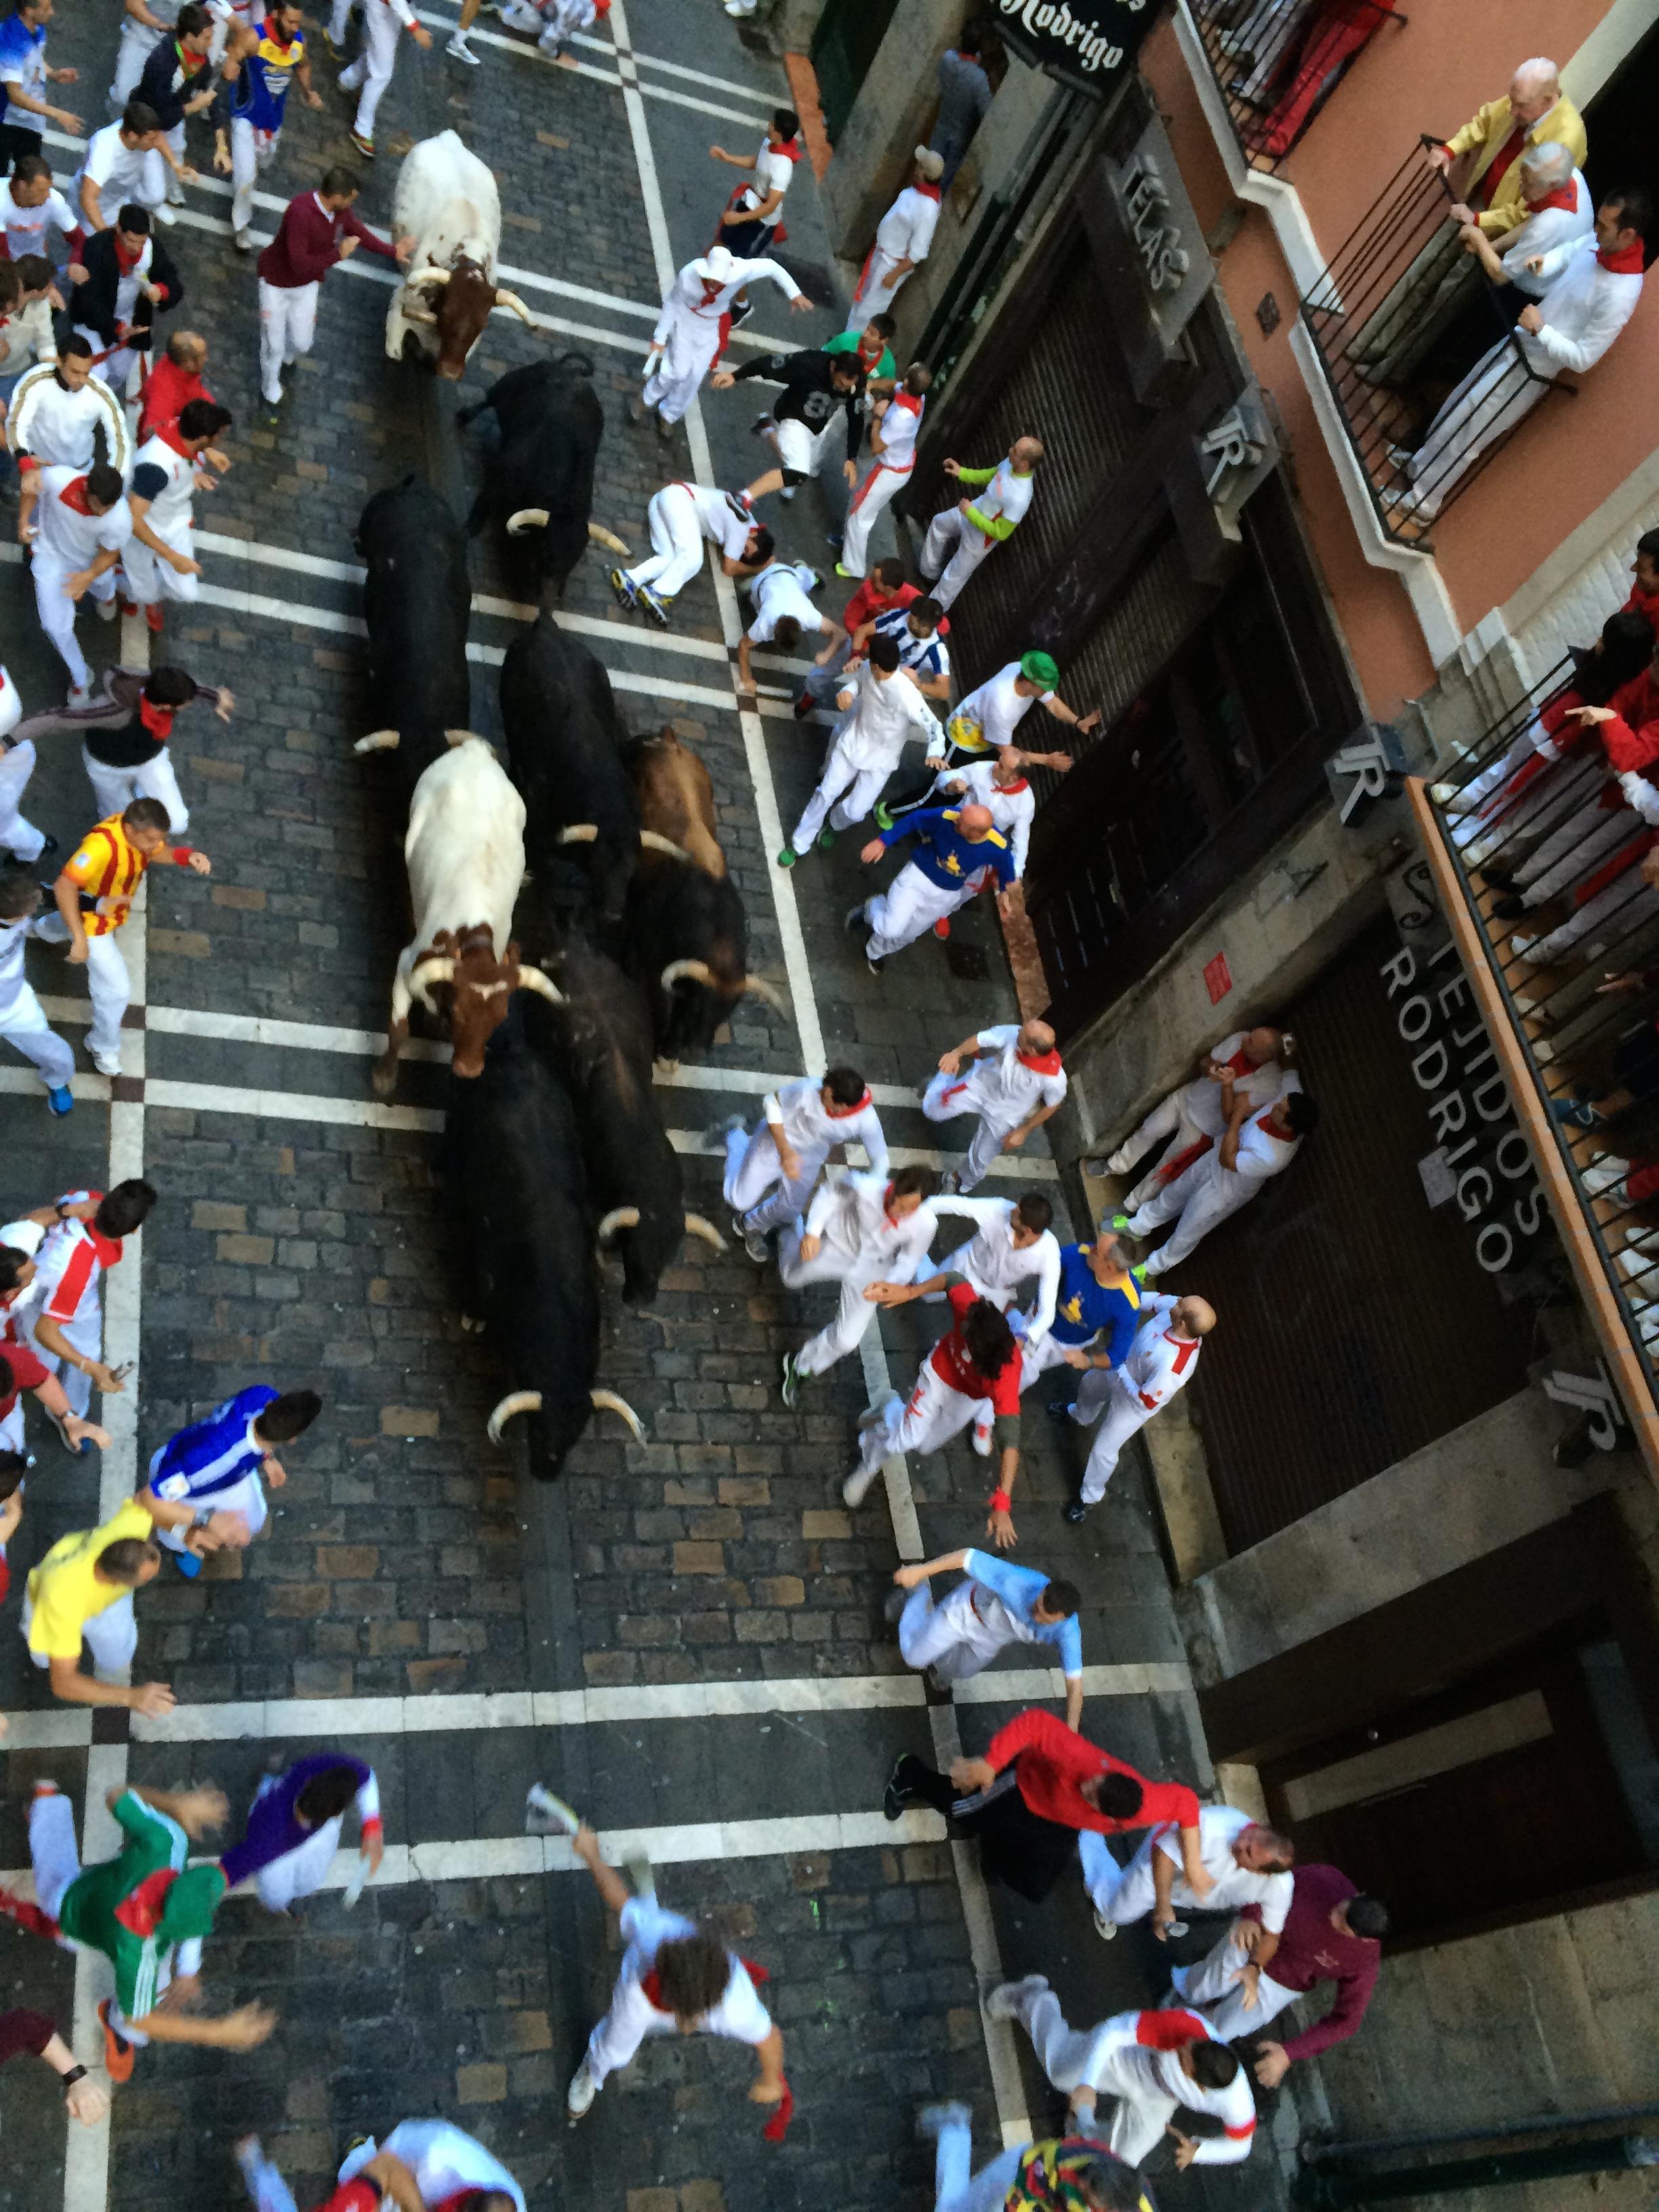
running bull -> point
(417, 600)
(564, 751)
(540, 482)
(447, 202)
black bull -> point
(540, 484)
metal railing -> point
(1559, 877)
(1276, 62)
(1399, 289)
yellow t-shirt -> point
(65, 1592)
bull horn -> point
(516, 1401)
(377, 741)
(434, 276)
(527, 518)
(696, 1226)
(654, 841)
(620, 1216)
(512, 299)
(578, 833)
(608, 538)
(768, 991)
(427, 972)
(418, 314)
(607, 1401)
(531, 979)
(697, 971)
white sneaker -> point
(107, 609)
(788, 492)
(983, 1439)
(458, 50)
(243, 241)
(1104, 1928)
(80, 694)
(1005, 2002)
(164, 212)
(739, 8)
(1118, 1163)
(545, 1814)
(856, 1488)
(104, 1065)
(581, 2093)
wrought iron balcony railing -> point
(1419, 351)
(1277, 62)
(1551, 873)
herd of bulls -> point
(573, 921)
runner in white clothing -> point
(1010, 1076)
(144, 26)
(59, 409)
(895, 425)
(30, 206)
(783, 614)
(77, 526)
(19, 837)
(904, 237)
(86, 1231)
(1002, 788)
(959, 539)
(1191, 1121)
(882, 711)
(1161, 1361)
(23, 1023)
(1153, 2063)
(692, 329)
(1255, 1147)
(683, 518)
(997, 1604)
(385, 22)
(1247, 1863)
(161, 562)
(769, 1172)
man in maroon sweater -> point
(317, 229)
(1333, 1933)
(21, 2031)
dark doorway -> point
(843, 47)
(1624, 147)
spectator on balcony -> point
(1305, 58)
(1590, 290)
(1644, 598)
(1557, 209)
(966, 90)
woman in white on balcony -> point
(1590, 290)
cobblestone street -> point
(686, 1637)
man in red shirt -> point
(174, 382)
(1332, 1934)
(1036, 1785)
(1644, 589)
(884, 588)
(317, 229)
(980, 1358)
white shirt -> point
(1012, 808)
(1201, 1099)
(887, 713)
(689, 295)
(1584, 307)
(1133, 2069)
(56, 424)
(772, 173)
(719, 519)
(778, 590)
(851, 1217)
(169, 515)
(798, 1108)
(1542, 234)
(69, 533)
(1261, 1152)
(1158, 1363)
(11, 704)
(443, 2161)
(901, 425)
(906, 231)
(996, 1265)
(26, 227)
(120, 171)
(13, 935)
(1219, 1827)
(998, 708)
(1006, 494)
(644, 1928)
(1001, 1086)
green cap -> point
(1039, 668)
(191, 1903)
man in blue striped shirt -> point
(999, 1604)
(220, 1464)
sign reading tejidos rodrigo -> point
(1089, 46)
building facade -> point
(1410, 1501)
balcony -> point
(1277, 62)
(1419, 351)
(1550, 882)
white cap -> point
(931, 164)
(717, 265)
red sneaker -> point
(942, 927)
(118, 2053)
(154, 618)
(127, 606)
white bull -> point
(464, 850)
(448, 204)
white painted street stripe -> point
(531, 52)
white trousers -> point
(847, 791)
(675, 541)
(1212, 1985)
(877, 289)
(152, 579)
(1585, 834)
(1626, 904)
(288, 324)
(374, 66)
(24, 1027)
(57, 610)
(949, 1637)
(137, 43)
(1122, 1894)
(1203, 1197)
(302, 1871)
(855, 1312)
(54, 1853)
(924, 1422)
(681, 366)
(951, 552)
(753, 1171)
(1071, 2056)
(1486, 405)
(908, 910)
(1104, 1397)
(112, 1636)
(20, 837)
(956, 2187)
(881, 486)
(251, 152)
(115, 788)
(339, 20)
(946, 1099)
(110, 989)
(1168, 1122)
(86, 1334)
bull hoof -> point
(384, 1080)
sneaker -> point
(545, 1814)
(666, 429)
(788, 493)
(1524, 948)
(803, 707)
(1121, 1221)
(942, 927)
(365, 146)
(788, 858)
(1104, 1928)
(580, 2096)
(793, 1378)
(740, 311)
(118, 2053)
(762, 424)
(76, 1450)
(107, 609)
(826, 839)
(166, 212)
(60, 1099)
(459, 51)
(242, 241)
(933, 2120)
(655, 607)
(80, 694)
(883, 818)
(895, 1796)
(856, 1488)
(756, 1246)
(982, 1439)
(1576, 1114)
(894, 1604)
(637, 409)
(1060, 1409)
(1119, 1163)
(871, 962)
(108, 1064)
(1005, 2002)
(841, 570)
(154, 619)
(950, 1183)
(620, 585)
(1076, 1510)
(187, 1564)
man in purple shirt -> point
(1332, 1934)
(293, 1828)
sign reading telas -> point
(1088, 46)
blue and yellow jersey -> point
(1085, 1306)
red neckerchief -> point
(157, 720)
(189, 64)
(1007, 790)
(711, 290)
(1565, 197)
(841, 1113)
(1623, 260)
(127, 261)
(652, 1983)
(1040, 1063)
(73, 495)
(140, 1910)
(168, 434)
(790, 149)
(930, 191)
(1266, 1121)
(911, 402)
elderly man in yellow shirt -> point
(82, 1592)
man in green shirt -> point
(873, 346)
(959, 539)
(146, 1909)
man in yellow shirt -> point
(82, 1592)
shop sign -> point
(1369, 766)
(1088, 47)
(1163, 235)
(1236, 453)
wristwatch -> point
(75, 2073)
(202, 1516)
